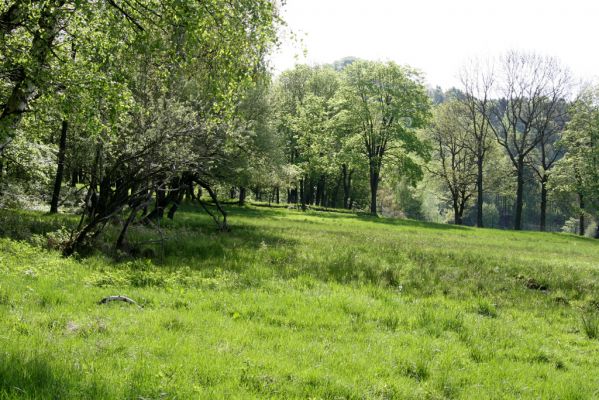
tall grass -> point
(300, 305)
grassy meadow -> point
(314, 305)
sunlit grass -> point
(302, 305)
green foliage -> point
(385, 104)
(577, 172)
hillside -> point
(301, 305)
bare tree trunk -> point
(543, 221)
(160, 203)
(519, 195)
(121, 238)
(479, 192)
(309, 191)
(176, 201)
(335, 195)
(74, 178)
(459, 203)
(457, 218)
(302, 194)
(222, 225)
(581, 221)
(374, 186)
(62, 146)
(347, 178)
(242, 195)
(1, 176)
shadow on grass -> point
(192, 239)
(569, 236)
(22, 225)
(216, 245)
(410, 223)
(26, 376)
(362, 216)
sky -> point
(438, 37)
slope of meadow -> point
(301, 305)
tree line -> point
(507, 135)
(123, 109)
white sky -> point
(439, 36)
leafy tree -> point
(185, 76)
(578, 171)
(387, 103)
(306, 110)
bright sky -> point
(438, 36)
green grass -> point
(301, 305)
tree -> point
(306, 108)
(26, 74)
(477, 83)
(387, 103)
(531, 89)
(544, 157)
(454, 163)
(185, 77)
(578, 171)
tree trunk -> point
(479, 193)
(335, 195)
(320, 191)
(543, 221)
(190, 189)
(121, 239)
(309, 190)
(519, 195)
(277, 195)
(222, 225)
(177, 198)
(457, 212)
(374, 186)
(581, 216)
(303, 194)
(160, 202)
(241, 195)
(62, 146)
(1, 176)
(345, 186)
(91, 199)
(74, 178)
(258, 193)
